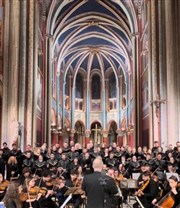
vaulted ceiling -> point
(92, 34)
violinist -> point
(45, 183)
(3, 186)
(30, 194)
(172, 198)
(25, 174)
(69, 185)
(145, 166)
(148, 190)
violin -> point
(144, 185)
(36, 190)
(4, 185)
(32, 193)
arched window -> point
(79, 86)
(96, 87)
(112, 86)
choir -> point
(47, 177)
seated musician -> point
(30, 194)
(3, 186)
(25, 174)
(72, 185)
(46, 184)
(148, 191)
(145, 166)
(172, 198)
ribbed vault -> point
(92, 34)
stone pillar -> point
(177, 9)
(5, 73)
(22, 69)
(87, 105)
(71, 135)
(87, 137)
(162, 70)
(13, 71)
(172, 117)
(60, 138)
(154, 73)
(35, 70)
(48, 88)
(136, 82)
(30, 74)
(119, 137)
(151, 127)
(54, 137)
(105, 137)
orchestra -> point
(46, 177)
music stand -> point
(127, 185)
(136, 175)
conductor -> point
(99, 188)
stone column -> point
(30, 74)
(151, 127)
(22, 69)
(5, 73)
(71, 135)
(54, 137)
(172, 117)
(177, 6)
(105, 137)
(87, 137)
(13, 60)
(35, 71)
(154, 73)
(162, 70)
(88, 105)
(120, 137)
(136, 82)
(60, 138)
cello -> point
(166, 202)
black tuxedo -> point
(99, 190)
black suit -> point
(99, 190)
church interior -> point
(90, 70)
(89, 103)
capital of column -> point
(120, 132)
